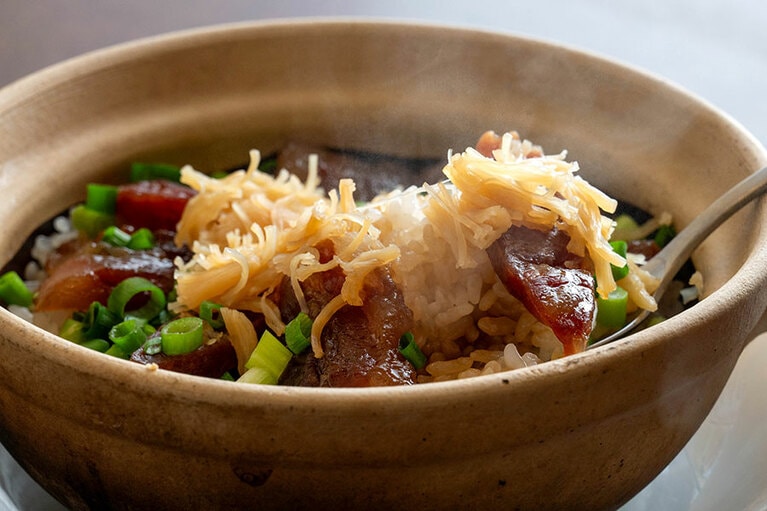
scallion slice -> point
(211, 312)
(182, 335)
(116, 236)
(267, 362)
(89, 221)
(298, 333)
(116, 351)
(130, 288)
(664, 234)
(625, 223)
(153, 345)
(162, 318)
(128, 335)
(149, 329)
(73, 330)
(13, 291)
(410, 350)
(611, 311)
(147, 171)
(258, 375)
(98, 321)
(96, 345)
(620, 247)
(268, 165)
(142, 239)
(101, 198)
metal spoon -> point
(668, 261)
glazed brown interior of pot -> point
(207, 98)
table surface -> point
(716, 49)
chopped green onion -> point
(116, 351)
(101, 198)
(620, 247)
(130, 288)
(162, 318)
(268, 165)
(227, 376)
(98, 321)
(182, 335)
(267, 362)
(89, 221)
(73, 330)
(258, 375)
(116, 236)
(664, 234)
(128, 335)
(96, 345)
(410, 350)
(13, 291)
(298, 333)
(148, 171)
(211, 312)
(219, 174)
(624, 223)
(611, 311)
(142, 239)
(153, 345)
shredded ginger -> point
(250, 230)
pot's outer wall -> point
(584, 432)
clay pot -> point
(587, 431)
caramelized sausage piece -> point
(536, 268)
(210, 360)
(85, 272)
(81, 272)
(156, 204)
(361, 344)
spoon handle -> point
(666, 263)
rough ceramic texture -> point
(584, 432)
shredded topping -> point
(250, 230)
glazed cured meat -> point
(84, 272)
(537, 269)
(156, 204)
(81, 272)
(647, 248)
(360, 343)
(373, 174)
(211, 360)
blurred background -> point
(716, 49)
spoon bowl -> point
(666, 263)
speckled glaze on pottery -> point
(584, 432)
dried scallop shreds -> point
(640, 284)
(433, 237)
(546, 192)
(242, 334)
(242, 199)
(237, 270)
